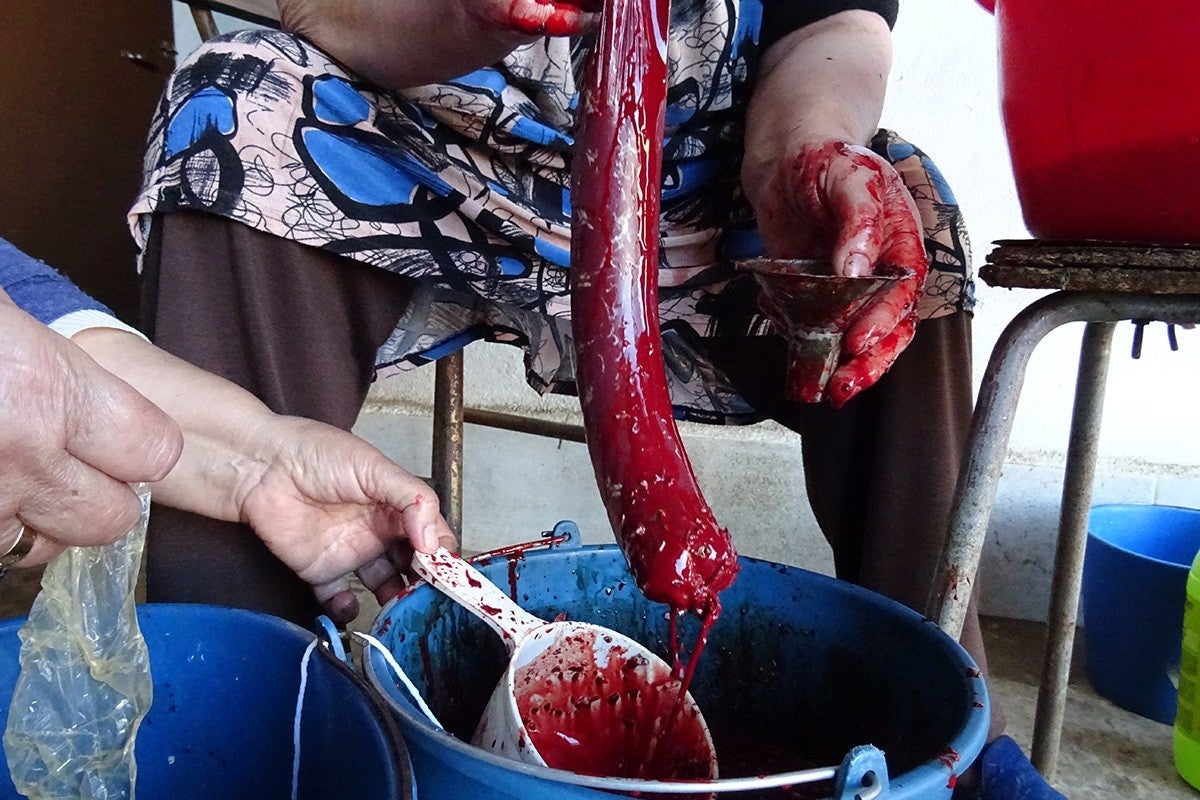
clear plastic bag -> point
(85, 683)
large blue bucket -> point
(800, 669)
(221, 725)
(1134, 585)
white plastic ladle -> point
(577, 696)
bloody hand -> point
(842, 201)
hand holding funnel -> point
(813, 308)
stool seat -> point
(1099, 283)
(1093, 265)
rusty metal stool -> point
(1099, 284)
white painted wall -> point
(943, 97)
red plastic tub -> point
(1101, 104)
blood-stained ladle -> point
(577, 696)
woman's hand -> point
(328, 503)
(323, 500)
(818, 192)
(72, 439)
(841, 201)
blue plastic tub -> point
(800, 669)
(1134, 585)
(221, 725)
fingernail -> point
(343, 608)
(427, 539)
(842, 392)
(857, 265)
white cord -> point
(308, 651)
(395, 666)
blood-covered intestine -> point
(677, 552)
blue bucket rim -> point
(968, 740)
(1094, 537)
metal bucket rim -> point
(963, 741)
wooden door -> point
(78, 84)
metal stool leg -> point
(448, 438)
(991, 426)
(1072, 541)
(992, 423)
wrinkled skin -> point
(323, 500)
(328, 502)
(837, 200)
(389, 42)
(72, 438)
(74, 433)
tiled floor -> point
(1106, 754)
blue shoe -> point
(1006, 773)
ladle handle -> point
(454, 577)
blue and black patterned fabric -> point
(464, 186)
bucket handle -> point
(333, 639)
(564, 536)
(401, 675)
(862, 775)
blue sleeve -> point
(40, 290)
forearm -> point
(824, 81)
(400, 44)
(225, 428)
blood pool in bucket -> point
(593, 706)
(802, 670)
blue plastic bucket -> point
(800, 669)
(221, 725)
(1134, 585)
